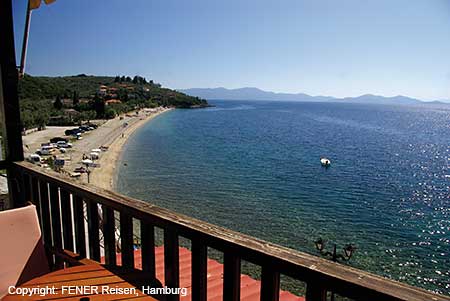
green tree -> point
(99, 106)
(110, 113)
(27, 119)
(57, 104)
(117, 79)
(89, 115)
(75, 98)
(41, 119)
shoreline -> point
(105, 176)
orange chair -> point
(22, 254)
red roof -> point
(113, 101)
(250, 288)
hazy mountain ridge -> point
(250, 93)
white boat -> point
(325, 162)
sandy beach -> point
(105, 176)
(112, 134)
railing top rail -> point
(340, 278)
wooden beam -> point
(199, 270)
(66, 218)
(109, 236)
(231, 276)
(148, 248)
(45, 218)
(315, 292)
(126, 245)
(80, 231)
(270, 283)
(9, 100)
(171, 262)
(93, 230)
(56, 223)
(9, 79)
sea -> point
(254, 167)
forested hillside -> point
(72, 99)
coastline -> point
(104, 177)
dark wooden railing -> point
(62, 204)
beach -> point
(104, 177)
(111, 135)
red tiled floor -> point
(250, 288)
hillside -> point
(43, 87)
(73, 99)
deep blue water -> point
(254, 167)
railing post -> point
(126, 235)
(46, 223)
(56, 224)
(315, 292)
(66, 217)
(34, 191)
(35, 198)
(270, 284)
(171, 262)
(109, 236)
(16, 188)
(80, 232)
(199, 270)
(93, 230)
(148, 248)
(26, 186)
(231, 277)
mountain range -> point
(250, 93)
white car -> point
(44, 151)
(64, 144)
(34, 158)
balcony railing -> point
(62, 204)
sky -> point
(320, 47)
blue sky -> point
(328, 47)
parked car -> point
(43, 151)
(94, 156)
(58, 139)
(92, 125)
(72, 132)
(63, 144)
(80, 169)
(86, 128)
(34, 158)
(48, 145)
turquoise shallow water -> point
(254, 167)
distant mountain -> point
(369, 98)
(251, 94)
(258, 94)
